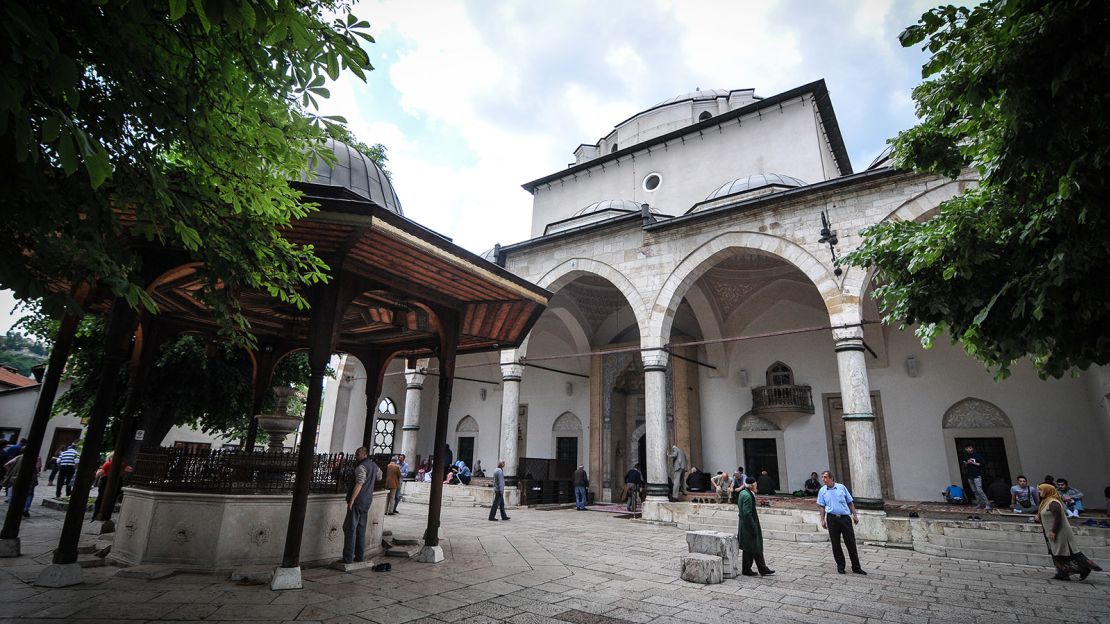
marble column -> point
(511, 373)
(410, 430)
(859, 419)
(655, 422)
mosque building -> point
(696, 302)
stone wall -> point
(209, 532)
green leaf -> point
(98, 166)
(177, 9)
(67, 152)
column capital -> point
(512, 372)
(848, 338)
(414, 378)
(654, 359)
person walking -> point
(498, 493)
(67, 465)
(11, 470)
(405, 468)
(367, 474)
(838, 515)
(633, 483)
(581, 482)
(1058, 535)
(393, 484)
(749, 533)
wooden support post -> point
(374, 362)
(121, 326)
(59, 354)
(448, 344)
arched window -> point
(387, 406)
(704, 115)
(613, 149)
(779, 374)
(385, 429)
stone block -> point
(60, 575)
(405, 541)
(704, 569)
(430, 554)
(723, 545)
(286, 578)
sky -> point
(473, 99)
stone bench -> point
(723, 545)
(704, 569)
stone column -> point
(859, 420)
(655, 422)
(410, 431)
(511, 373)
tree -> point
(191, 116)
(1019, 92)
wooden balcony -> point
(770, 399)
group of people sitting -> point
(458, 473)
(726, 485)
(1021, 497)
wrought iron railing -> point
(782, 398)
(237, 472)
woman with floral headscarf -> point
(1058, 535)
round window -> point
(652, 181)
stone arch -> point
(751, 422)
(467, 424)
(972, 413)
(920, 207)
(694, 265)
(466, 428)
(567, 425)
(975, 418)
(569, 270)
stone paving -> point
(558, 567)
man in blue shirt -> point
(838, 514)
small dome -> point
(355, 172)
(626, 205)
(884, 159)
(708, 94)
(751, 183)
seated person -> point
(693, 481)
(1024, 498)
(1073, 498)
(954, 494)
(999, 492)
(813, 485)
(452, 477)
(722, 483)
(764, 484)
(463, 473)
(478, 472)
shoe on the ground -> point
(506, 518)
(748, 573)
(26, 514)
(767, 572)
(493, 519)
(1084, 574)
(1061, 577)
(859, 571)
(840, 571)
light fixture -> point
(570, 388)
(911, 366)
(482, 393)
(828, 236)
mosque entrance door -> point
(762, 454)
(566, 457)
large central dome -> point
(355, 172)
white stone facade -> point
(747, 279)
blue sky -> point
(475, 98)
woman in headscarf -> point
(1058, 535)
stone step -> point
(1019, 547)
(781, 523)
(404, 552)
(1029, 533)
(1041, 560)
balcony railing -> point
(782, 399)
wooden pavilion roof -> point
(399, 267)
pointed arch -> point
(467, 424)
(569, 270)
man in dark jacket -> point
(634, 482)
(765, 484)
(749, 533)
(581, 482)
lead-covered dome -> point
(751, 183)
(700, 94)
(625, 205)
(355, 172)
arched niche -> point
(466, 440)
(757, 437)
(567, 427)
(988, 424)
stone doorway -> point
(838, 442)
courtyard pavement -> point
(557, 567)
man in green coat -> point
(749, 533)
